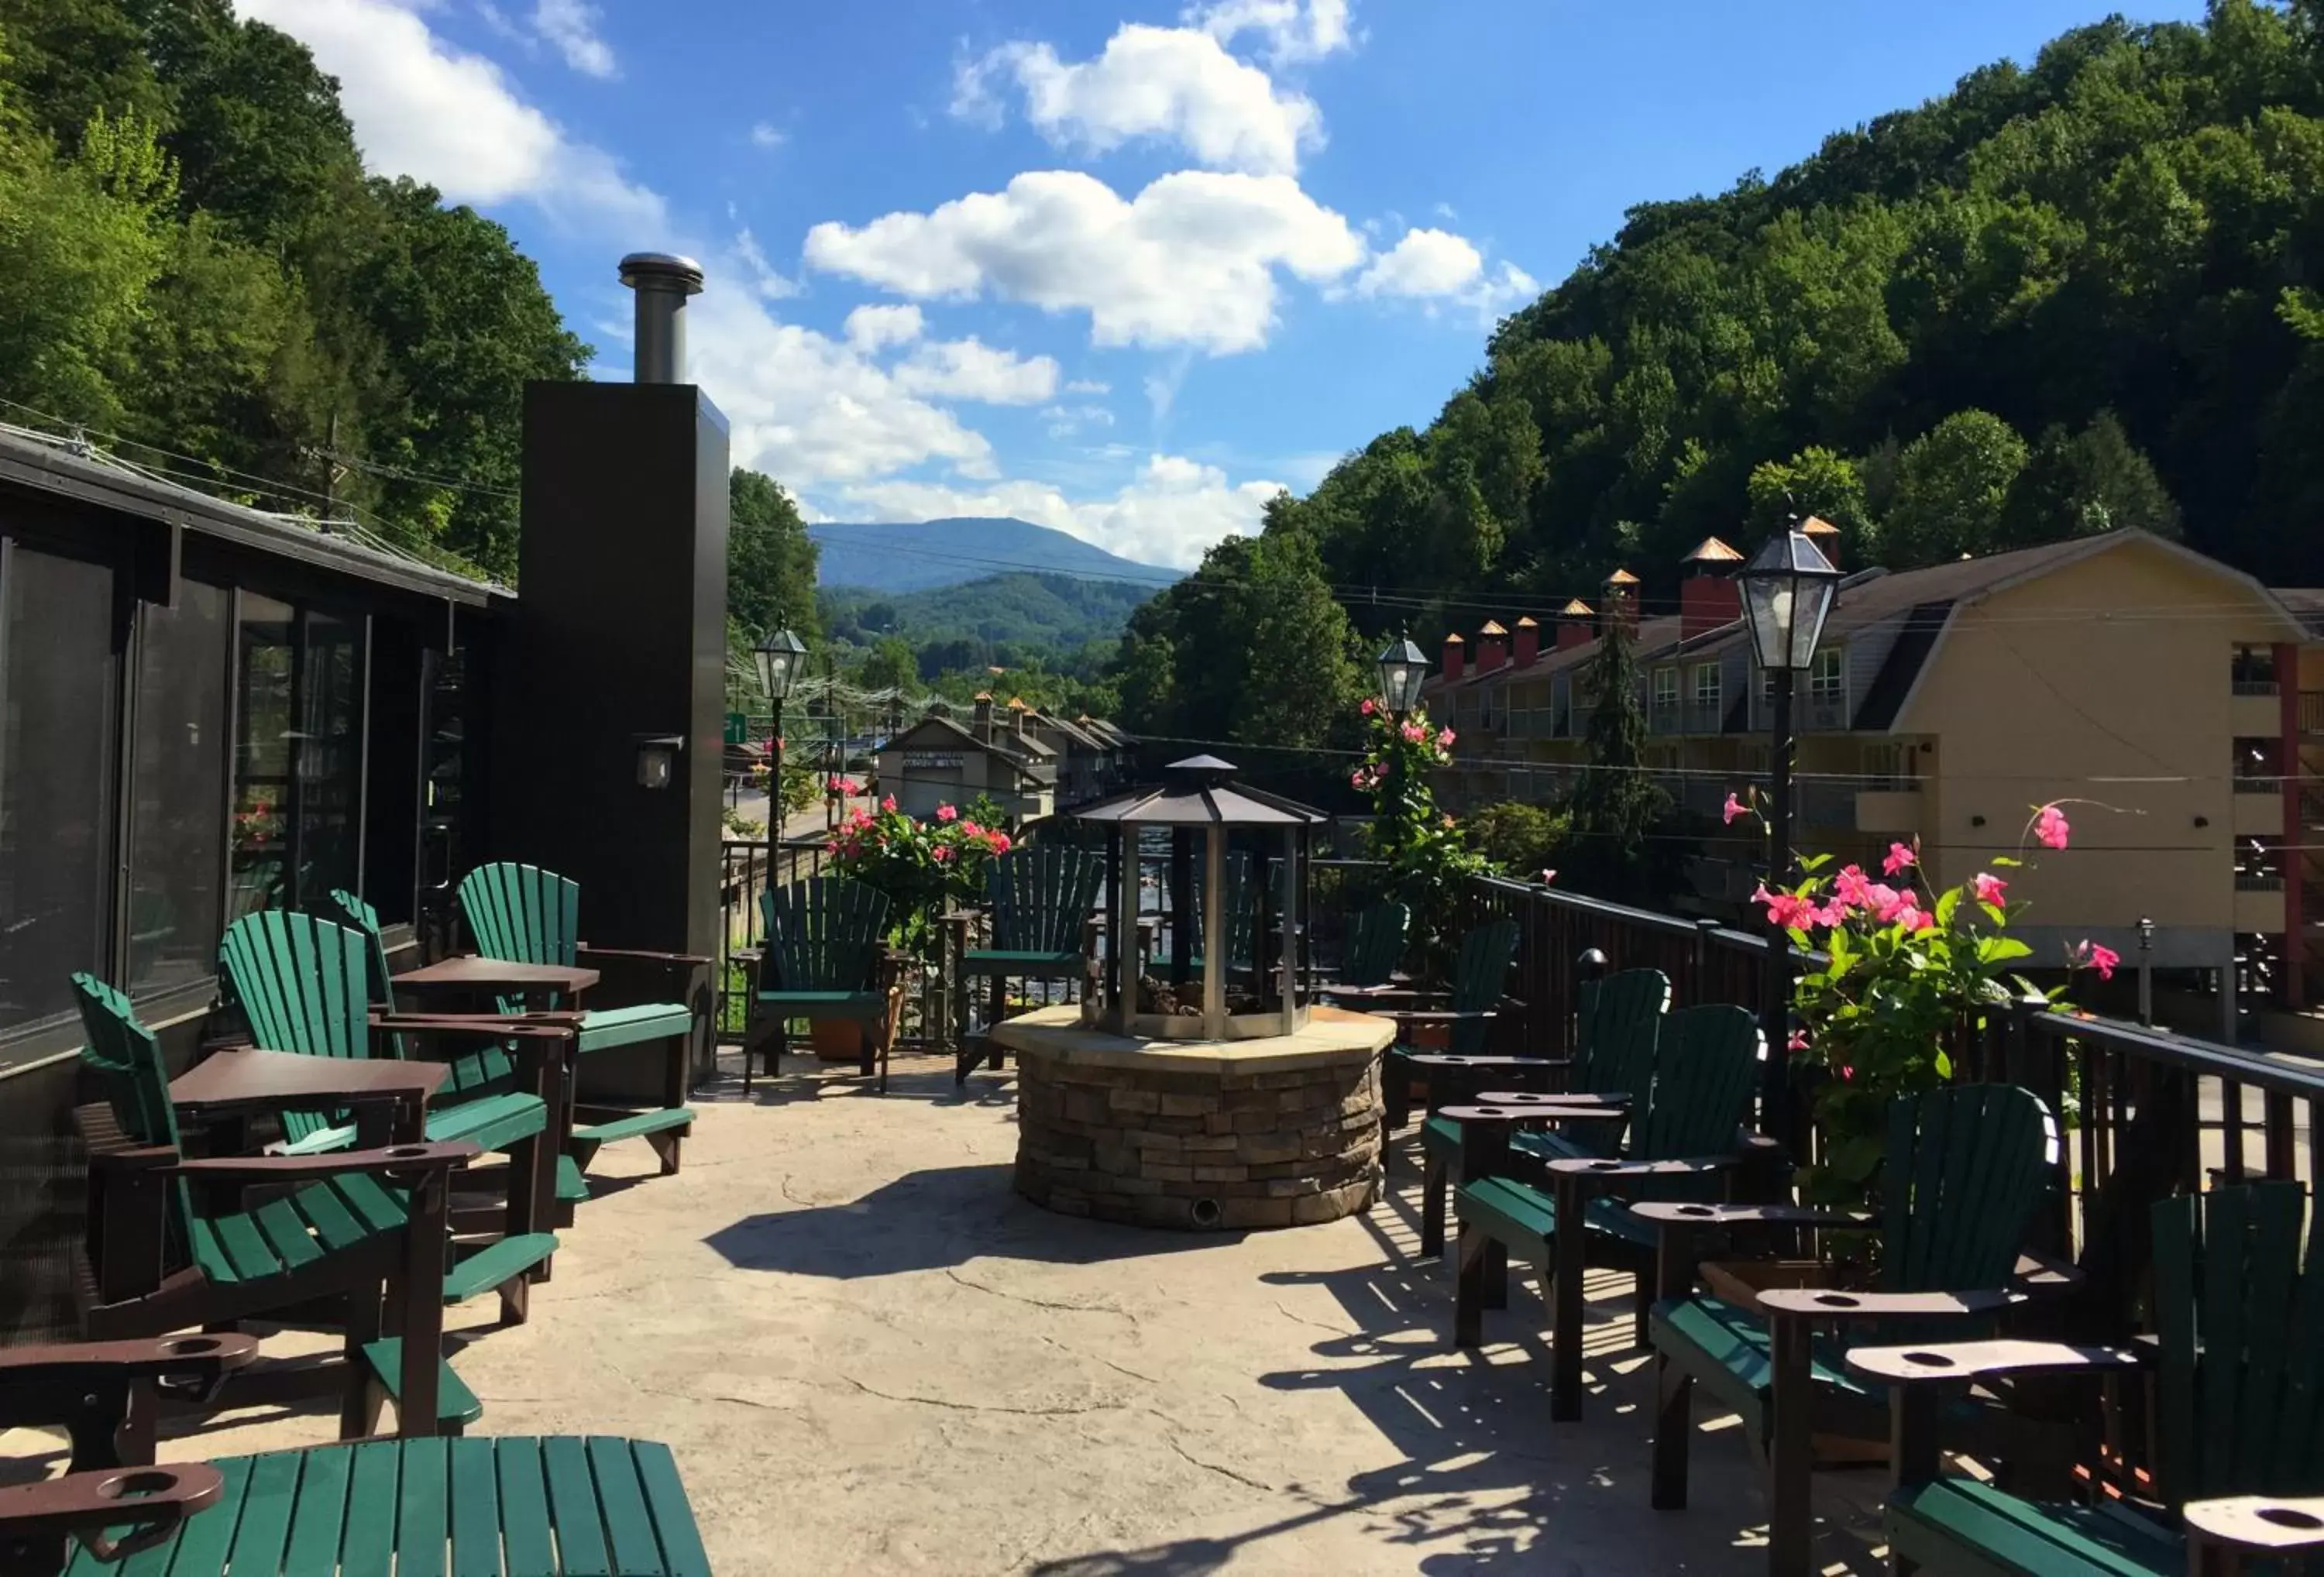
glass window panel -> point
(178, 822)
(263, 748)
(57, 675)
(331, 757)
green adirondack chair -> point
(2236, 1370)
(526, 915)
(1241, 917)
(1039, 898)
(1375, 948)
(1965, 1168)
(1616, 1024)
(303, 985)
(169, 1247)
(827, 957)
(1465, 1010)
(516, 1503)
(1686, 1125)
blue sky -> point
(1115, 267)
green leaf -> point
(2005, 859)
(1814, 862)
(1946, 905)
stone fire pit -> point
(1199, 1135)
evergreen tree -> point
(1615, 806)
(771, 561)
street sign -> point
(738, 728)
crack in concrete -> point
(1243, 1479)
(1318, 1325)
(1039, 1303)
(1097, 1358)
(953, 1406)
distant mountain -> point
(917, 556)
(1000, 618)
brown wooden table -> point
(475, 974)
(388, 1096)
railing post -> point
(1696, 988)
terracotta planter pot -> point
(836, 1039)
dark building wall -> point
(620, 632)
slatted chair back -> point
(303, 985)
(489, 1067)
(1966, 1167)
(1706, 1062)
(825, 934)
(522, 913)
(128, 1062)
(1481, 975)
(1375, 945)
(1041, 897)
(2240, 1322)
(1619, 1021)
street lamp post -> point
(781, 655)
(1788, 590)
(1403, 670)
(2146, 971)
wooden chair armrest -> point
(1407, 1016)
(483, 1026)
(113, 1512)
(1586, 1166)
(2261, 1524)
(2046, 1277)
(1969, 1360)
(174, 1360)
(1447, 1059)
(1812, 1304)
(442, 1156)
(1671, 1214)
(583, 951)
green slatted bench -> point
(515, 1506)
(2237, 1374)
(526, 915)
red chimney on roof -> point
(1622, 598)
(1576, 624)
(1708, 597)
(1455, 657)
(1528, 643)
(1825, 536)
(1494, 647)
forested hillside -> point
(192, 260)
(1001, 619)
(2079, 294)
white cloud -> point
(1293, 30)
(969, 369)
(765, 135)
(1168, 513)
(571, 26)
(765, 278)
(1190, 261)
(1166, 84)
(872, 329)
(1088, 386)
(428, 110)
(1066, 420)
(1436, 265)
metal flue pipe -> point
(662, 281)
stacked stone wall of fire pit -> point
(1199, 1148)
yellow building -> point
(2161, 698)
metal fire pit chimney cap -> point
(645, 269)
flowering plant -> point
(921, 865)
(1429, 860)
(1910, 972)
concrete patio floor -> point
(870, 1355)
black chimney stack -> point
(662, 281)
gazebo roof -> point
(1200, 791)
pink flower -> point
(1733, 808)
(971, 829)
(1988, 888)
(1547, 877)
(998, 842)
(941, 854)
(1851, 889)
(889, 805)
(1786, 909)
(947, 812)
(2049, 828)
(1356, 779)
(1900, 858)
(1415, 732)
(1370, 706)
(1914, 918)
(1798, 1042)
(1444, 740)
(1886, 902)
(2092, 956)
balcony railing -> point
(2256, 785)
(2311, 711)
(2254, 687)
(2259, 880)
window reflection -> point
(297, 785)
(177, 823)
